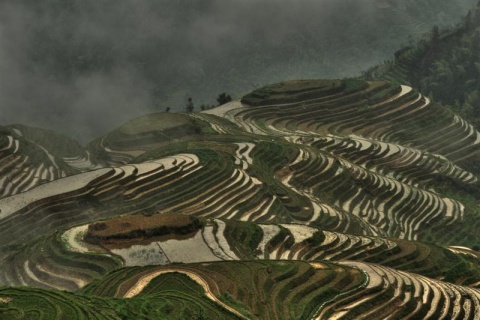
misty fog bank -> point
(84, 67)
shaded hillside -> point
(32, 156)
(152, 131)
(445, 66)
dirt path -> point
(145, 280)
(49, 155)
(319, 265)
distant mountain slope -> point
(445, 66)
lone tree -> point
(189, 105)
(223, 98)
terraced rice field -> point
(225, 241)
(346, 290)
(369, 188)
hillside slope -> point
(31, 156)
(373, 186)
(445, 66)
(252, 290)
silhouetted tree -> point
(189, 105)
(223, 98)
(167, 109)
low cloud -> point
(84, 67)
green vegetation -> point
(223, 98)
(268, 290)
(31, 303)
(54, 264)
(291, 91)
(354, 85)
(169, 303)
(60, 145)
(444, 66)
(245, 235)
(183, 298)
(263, 290)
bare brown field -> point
(139, 226)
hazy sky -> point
(84, 67)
